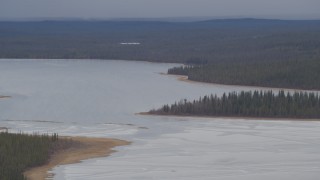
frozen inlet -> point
(100, 98)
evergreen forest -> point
(18, 152)
(298, 74)
(200, 42)
(258, 52)
(265, 104)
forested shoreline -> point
(298, 74)
(19, 152)
(264, 104)
(256, 52)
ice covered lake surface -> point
(100, 98)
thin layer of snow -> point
(99, 98)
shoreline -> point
(229, 117)
(3, 129)
(185, 79)
(83, 148)
(72, 59)
(3, 97)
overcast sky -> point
(290, 9)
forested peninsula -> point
(19, 152)
(297, 74)
(31, 156)
(264, 104)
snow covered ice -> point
(99, 98)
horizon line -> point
(163, 19)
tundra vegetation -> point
(249, 104)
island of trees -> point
(249, 104)
(18, 152)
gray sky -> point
(288, 9)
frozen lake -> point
(100, 98)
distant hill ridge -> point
(219, 40)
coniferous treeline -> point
(249, 104)
(18, 152)
(297, 74)
(229, 40)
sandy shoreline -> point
(1, 97)
(85, 148)
(229, 117)
(3, 129)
